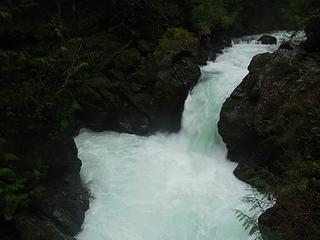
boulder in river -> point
(268, 39)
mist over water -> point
(171, 186)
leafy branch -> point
(258, 205)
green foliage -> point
(12, 187)
(175, 40)
(37, 174)
(56, 30)
(39, 90)
(44, 86)
(203, 15)
(17, 186)
(296, 12)
(228, 20)
(166, 14)
(258, 206)
(207, 14)
(250, 223)
(4, 15)
(9, 157)
(6, 173)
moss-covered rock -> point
(176, 43)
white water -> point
(170, 187)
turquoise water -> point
(171, 186)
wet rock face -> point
(272, 217)
(57, 210)
(31, 227)
(267, 126)
(125, 105)
(65, 205)
(141, 90)
(171, 91)
(287, 46)
(268, 39)
(156, 103)
(272, 80)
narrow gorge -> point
(144, 120)
(172, 186)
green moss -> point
(175, 40)
(13, 190)
(262, 179)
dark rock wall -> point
(269, 124)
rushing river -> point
(171, 186)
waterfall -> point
(171, 186)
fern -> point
(10, 157)
(64, 51)
(5, 15)
(250, 223)
(82, 67)
(13, 188)
(13, 201)
(258, 205)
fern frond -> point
(5, 15)
(10, 157)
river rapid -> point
(171, 186)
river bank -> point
(269, 124)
